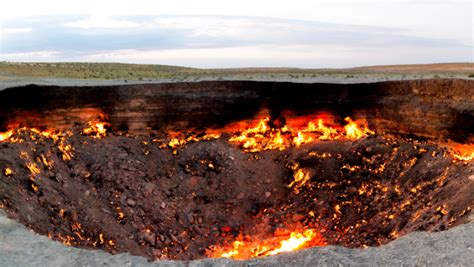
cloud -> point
(14, 30)
(306, 56)
(35, 55)
(219, 41)
(101, 22)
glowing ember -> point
(33, 168)
(300, 177)
(242, 250)
(177, 142)
(7, 172)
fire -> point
(6, 135)
(237, 245)
(325, 131)
(464, 156)
(263, 137)
(7, 172)
(176, 142)
(301, 139)
(33, 168)
(276, 141)
(20, 135)
(260, 137)
(46, 162)
(307, 135)
(300, 177)
(242, 249)
(354, 130)
(296, 241)
(34, 134)
(96, 129)
(67, 151)
(463, 152)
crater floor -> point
(130, 194)
(454, 247)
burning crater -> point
(236, 169)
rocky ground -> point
(8, 80)
(132, 194)
(455, 247)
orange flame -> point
(263, 137)
(355, 131)
(464, 156)
(260, 137)
(241, 250)
(7, 172)
(296, 241)
(96, 129)
(463, 152)
(33, 168)
(300, 177)
(177, 142)
(6, 135)
(67, 151)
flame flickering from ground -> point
(96, 130)
(6, 135)
(463, 152)
(464, 156)
(177, 142)
(246, 249)
(354, 131)
(263, 137)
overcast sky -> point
(244, 33)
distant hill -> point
(439, 67)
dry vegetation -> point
(93, 70)
(116, 71)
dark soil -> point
(126, 194)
